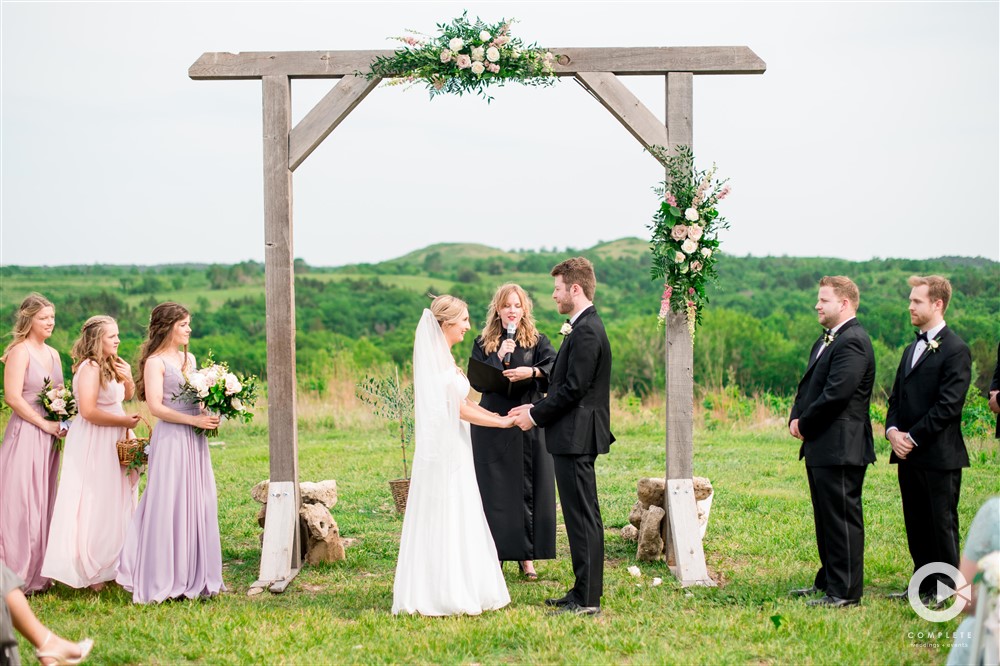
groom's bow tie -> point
(921, 335)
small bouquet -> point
(59, 405)
(221, 392)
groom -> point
(576, 416)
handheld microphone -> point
(511, 331)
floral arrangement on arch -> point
(466, 57)
(685, 230)
(220, 391)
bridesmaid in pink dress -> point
(29, 464)
(172, 548)
(96, 497)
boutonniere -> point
(566, 329)
(828, 338)
(933, 345)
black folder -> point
(487, 378)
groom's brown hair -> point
(577, 270)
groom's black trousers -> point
(582, 515)
(840, 528)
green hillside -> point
(756, 330)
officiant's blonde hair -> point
(447, 309)
(493, 331)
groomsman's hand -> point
(793, 428)
(995, 402)
(900, 444)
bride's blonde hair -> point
(448, 309)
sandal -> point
(59, 659)
(530, 575)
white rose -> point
(478, 53)
(199, 383)
(456, 44)
(485, 36)
(233, 385)
(493, 54)
(58, 405)
(478, 68)
(445, 56)
(52, 395)
(695, 232)
(679, 257)
(706, 252)
(691, 214)
(237, 404)
(990, 566)
(689, 246)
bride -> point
(447, 559)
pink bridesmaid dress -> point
(95, 502)
(29, 467)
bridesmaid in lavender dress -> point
(96, 497)
(172, 547)
(29, 464)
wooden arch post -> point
(286, 147)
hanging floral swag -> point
(685, 229)
(466, 57)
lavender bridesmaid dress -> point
(172, 547)
(29, 467)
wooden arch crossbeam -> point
(287, 147)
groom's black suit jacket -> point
(833, 399)
(927, 401)
(576, 414)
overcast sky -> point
(873, 133)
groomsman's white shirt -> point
(918, 350)
(833, 332)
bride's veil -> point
(435, 404)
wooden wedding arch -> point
(287, 146)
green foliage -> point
(467, 57)
(392, 400)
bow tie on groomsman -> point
(921, 335)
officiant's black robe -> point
(515, 473)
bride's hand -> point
(507, 422)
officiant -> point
(509, 366)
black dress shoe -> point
(573, 608)
(560, 602)
(833, 602)
(804, 591)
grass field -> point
(760, 543)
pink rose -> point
(695, 267)
(671, 199)
(695, 232)
(478, 68)
(445, 56)
(679, 232)
(463, 61)
(493, 67)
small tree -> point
(391, 400)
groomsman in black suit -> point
(576, 416)
(995, 392)
(830, 417)
(924, 427)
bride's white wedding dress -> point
(447, 558)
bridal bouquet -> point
(220, 391)
(466, 57)
(685, 230)
(58, 403)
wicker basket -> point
(400, 489)
(132, 450)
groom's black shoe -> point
(573, 608)
(561, 601)
(804, 591)
(833, 602)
